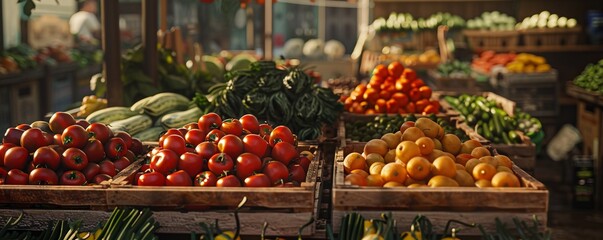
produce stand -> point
(440, 204)
(590, 124)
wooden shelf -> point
(546, 49)
(459, 1)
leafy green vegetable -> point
(591, 77)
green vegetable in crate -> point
(405, 22)
(488, 119)
(591, 77)
(455, 69)
(493, 21)
(545, 19)
(282, 96)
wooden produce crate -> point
(453, 84)
(284, 209)
(499, 40)
(550, 36)
(590, 124)
(524, 154)
(535, 93)
(583, 94)
(471, 205)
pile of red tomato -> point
(225, 153)
(64, 151)
(391, 89)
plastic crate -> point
(535, 93)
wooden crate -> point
(583, 94)
(590, 125)
(483, 40)
(453, 84)
(478, 205)
(535, 93)
(284, 209)
(524, 154)
(550, 36)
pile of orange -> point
(391, 89)
(421, 154)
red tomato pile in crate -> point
(64, 151)
(391, 89)
(226, 153)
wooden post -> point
(111, 48)
(268, 30)
(149, 37)
(1, 28)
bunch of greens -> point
(591, 78)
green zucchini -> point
(110, 114)
(149, 134)
(161, 103)
(133, 125)
(179, 119)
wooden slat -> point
(112, 53)
(53, 195)
(583, 94)
(440, 218)
(279, 224)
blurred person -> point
(84, 24)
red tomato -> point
(47, 157)
(409, 74)
(3, 173)
(13, 135)
(214, 136)
(304, 162)
(126, 137)
(175, 143)
(83, 123)
(250, 123)
(16, 176)
(182, 131)
(74, 136)
(100, 132)
(209, 121)
(121, 163)
(98, 179)
(192, 125)
(23, 126)
(3, 148)
(49, 138)
(173, 131)
(130, 156)
(195, 136)
(137, 147)
(151, 179)
(95, 151)
(59, 121)
(43, 176)
(247, 164)
(284, 152)
(115, 148)
(205, 179)
(417, 83)
(220, 163)
(16, 158)
(253, 143)
(257, 180)
(206, 150)
(73, 177)
(178, 178)
(145, 167)
(56, 139)
(231, 145)
(276, 171)
(395, 69)
(74, 159)
(265, 130)
(297, 173)
(191, 163)
(107, 167)
(165, 161)
(91, 170)
(32, 139)
(228, 181)
(232, 126)
(281, 134)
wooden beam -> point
(1, 28)
(111, 48)
(149, 37)
(268, 30)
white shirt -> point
(83, 24)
